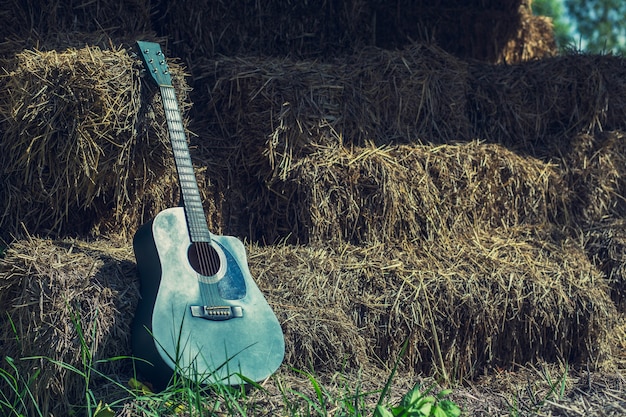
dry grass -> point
(276, 109)
(406, 193)
(55, 296)
(487, 300)
(539, 107)
(491, 31)
(606, 245)
(259, 117)
(534, 39)
(595, 168)
(491, 298)
(51, 23)
(82, 142)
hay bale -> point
(405, 192)
(38, 24)
(82, 140)
(595, 169)
(488, 298)
(260, 113)
(534, 40)
(273, 111)
(201, 28)
(322, 30)
(67, 301)
(483, 30)
(605, 242)
(538, 107)
(479, 29)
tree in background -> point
(595, 26)
(600, 23)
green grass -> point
(185, 398)
(548, 387)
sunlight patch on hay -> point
(406, 192)
(82, 140)
(491, 298)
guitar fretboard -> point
(198, 229)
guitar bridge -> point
(217, 313)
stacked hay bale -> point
(261, 116)
(366, 195)
(418, 196)
(57, 24)
(487, 30)
(467, 303)
(539, 107)
(82, 141)
(65, 308)
(334, 170)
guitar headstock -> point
(154, 59)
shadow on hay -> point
(68, 302)
(84, 143)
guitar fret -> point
(187, 176)
(178, 137)
(179, 150)
(181, 156)
(189, 184)
(185, 167)
(196, 221)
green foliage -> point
(15, 401)
(594, 26)
(418, 403)
(539, 393)
(600, 24)
(187, 397)
(352, 402)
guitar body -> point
(168, 337)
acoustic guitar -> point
(201, 315)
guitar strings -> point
(207, 256)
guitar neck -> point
(198, 229)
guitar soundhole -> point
(203, 258)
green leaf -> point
(412, 397)
(424, 401)
(425, 408)
(450, 408)
(438, 412)
(382, 412)
(443, 393)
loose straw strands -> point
(66, 301)
(489, 298)
(82, 139)
(407, 192)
